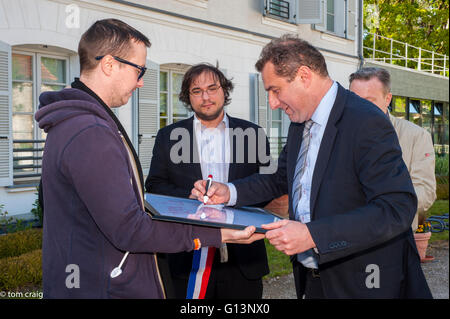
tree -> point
(420, 23)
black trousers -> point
(225, 282)
(309, 285)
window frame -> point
(439, 148)
(38, 134)
(34, 96)
(340, 18)
(292, 11)
(170, 106)
(37, 79)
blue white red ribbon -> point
(200, 272)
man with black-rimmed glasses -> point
(98, 242)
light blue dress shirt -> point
(302, 212)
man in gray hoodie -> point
(98, 241)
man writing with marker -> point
(233, 271)
(351, 200)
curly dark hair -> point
(193, 73)
(288, 53)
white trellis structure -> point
(404, 54)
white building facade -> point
(38, 52)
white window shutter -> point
(148, 101)
(310, 11)
(321, 25)
(253, 85)
(6, 156)
(351, 19)
(263, 106)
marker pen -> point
(208, 185)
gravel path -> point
(436, 273)
(437, 270)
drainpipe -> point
(360, 34)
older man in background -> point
(374, 84)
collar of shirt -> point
(321, 114)
(222, 125)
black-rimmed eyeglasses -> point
(141, 68)
(211, 90)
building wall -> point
(415, 84)
(218, 36)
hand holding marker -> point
(208, 185)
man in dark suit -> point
(209, 143)
(351, 200)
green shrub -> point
(37, 209)
(4, 219)
(442, 191)
(21, 242)
(442, 184)
(20, 271)
(441, 167)
(11, 224)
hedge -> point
(24, 270)
(18, 243)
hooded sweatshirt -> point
(93, 212)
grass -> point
(279, 263)
(440, 207)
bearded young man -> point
(235, 271)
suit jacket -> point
(362, 203)
(177, 179)
(418, 155)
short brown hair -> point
(193, 73)
(108, 36)
(288, 53)
(366, 74)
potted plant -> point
(422, 236)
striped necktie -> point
(301, 165)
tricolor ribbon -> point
(200, 272)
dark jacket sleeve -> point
(261, 187)
(95, 161)
(384, 181)
(157, 181)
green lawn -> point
(279, 263)
(440, 207)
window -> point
(431, 115)
(276, 131)
(398, 107)
(32, 74)
(339, 18)
(438, 126)
(330, 16)
(171, 109)
(274, 122)
(414, 112)
(280, 9)
(445, 119)
(426, 108)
